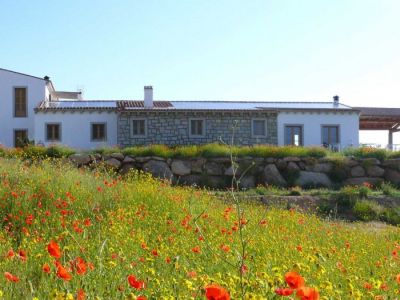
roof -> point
(77, 105)
(379, 118)
(128, 105)
(22, 74)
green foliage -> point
(391, 215)
(295, 191)
(152, 150)
(367, 152)
(367, 210)
(347, 196)
(58, 151)
(35, 152)
(338, 171)
(389, 190)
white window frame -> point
(131, 127)
(252, 128)
(204, 128)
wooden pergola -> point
(379, 118)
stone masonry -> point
(172, 127)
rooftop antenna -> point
(80, 89)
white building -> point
(32, 109)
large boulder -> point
(392, 176)
(247, 182)
(357, 171)
(180, 167)
(313, 179)
(197, 165)
(233, 170)
(375, 171)
(392, 163)
(292, 167)
(113, 163)
(158, 168)
(118, 156)
(272, 176)
(324, 167)
(213, 168)
(193, 180)
(80, 159)
(126, 168)
(359, 181)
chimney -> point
(148, 96)
(336, 101)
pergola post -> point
(390, 144)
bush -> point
(367, 152)
(59, 151)
(152, 150)
(367, 210)
(347, 196)
(33, 151)
(295, 191)
(388, 189)
(391, 215)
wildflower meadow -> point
(80, 234)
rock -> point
(322, 167)
(247, 182)
(142, 159)
(118, 156)
(370, 162)
(392, 163)
(193, 180)
(158, 158)
(128, 160)
(270, 160)
(231, 169)
(350, 162)
(375, 171)
(359, 181)
(313, 179)
(272, 176)
(159, 169)
(281, 164)
(302, 165)
(357, 171)
(197, 165)
(126, 168)
(80, 159)
(213, 168)
(291, 159)
(292, 167)
(113, 163)
(392, 176)
(221, 159)
(180, 167)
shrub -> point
(391, 215)
(388, 189)
(347, 196)
(295, 191)
(366, 152)
(59, 151)
(338, 171)
(367, 210)
(363, 191)
(152, 150)
(34, 151)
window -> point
(20, 103)
(53, 132)
(330, 135)
(99, 131)
(20, 138)
(139, 127)
(197, 127)
(294, 135)
(259, 128)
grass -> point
(176, 240)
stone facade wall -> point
(172, 128)
(218, 172)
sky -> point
(269, 50)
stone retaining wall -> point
(218, 172)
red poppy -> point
(80, 266)
(62, 272)
(22, 255)
(215, 292)
(284, 291)
(154, 252)
(398, 278)
(54, 249)
(196, 249)
(80, 295)
(294, 280)
(10, 253)
(141, 298)
(307, 293)
(11, 277)
(367, 286)
(137, 284)
(46, 268)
